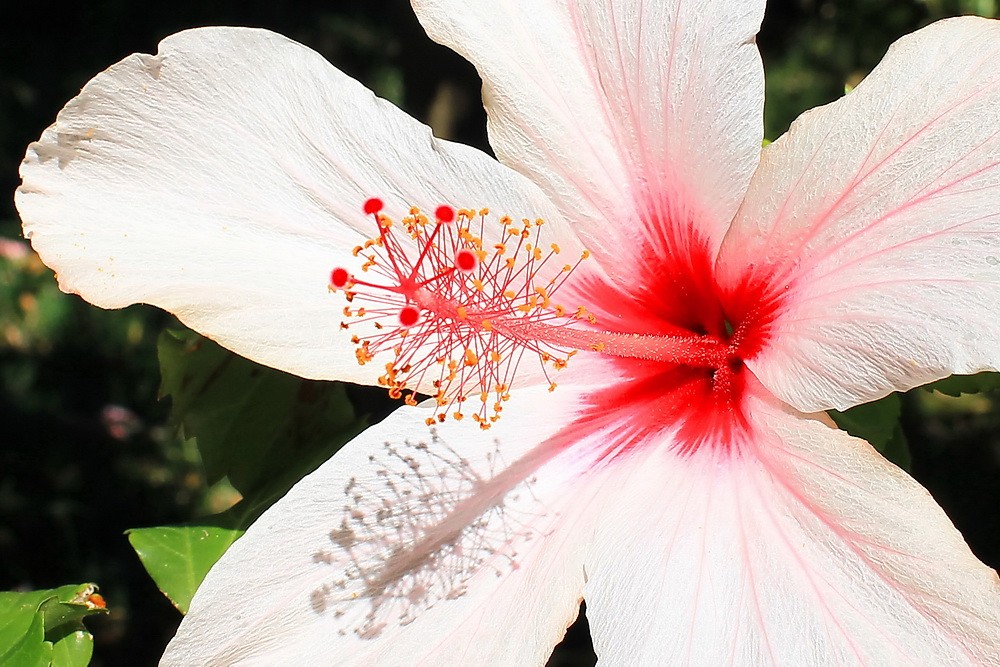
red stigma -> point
(373, 205)
(445, 213)
(466, 261)
(339, 277)
(409, 316)
(457, 312)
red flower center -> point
(459, 313)
(674, 293)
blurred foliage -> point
(89, 451)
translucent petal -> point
(807, 549)
(632, 115)
(224, 178)
(877, 218)
(456, 546)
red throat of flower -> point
(455, 303)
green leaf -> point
(46, 627)
(249, 420)
(27, 647)
(956, 385)
(261, 428)
(73, 650)
(878, 423)
(179, 557)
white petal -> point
(809, 549)
(224, 178)
(629, 114)
(878, 216)
(468, 551)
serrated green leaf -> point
(956, 385)
(179, 557)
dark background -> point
(85, 452)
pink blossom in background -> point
(681, 476)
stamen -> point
(459, 314)
(464, 310)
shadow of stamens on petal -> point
(419, 527)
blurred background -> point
(86, 451)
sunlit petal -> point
(224, 178)
(807, 548)
(624, 112)
(464, 547)
(878, 219)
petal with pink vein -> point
(807, 549)
(224, 178)
(462, 547)
(624, 112)
(876, 218)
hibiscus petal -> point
(878, 217)
(625, 112)
(224, 178)
(462, 547)
(807, 549)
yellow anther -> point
(552, 387)
(555, 248)
(471, 359)
(462, 312)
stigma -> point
(458, 300)
(454, 303)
